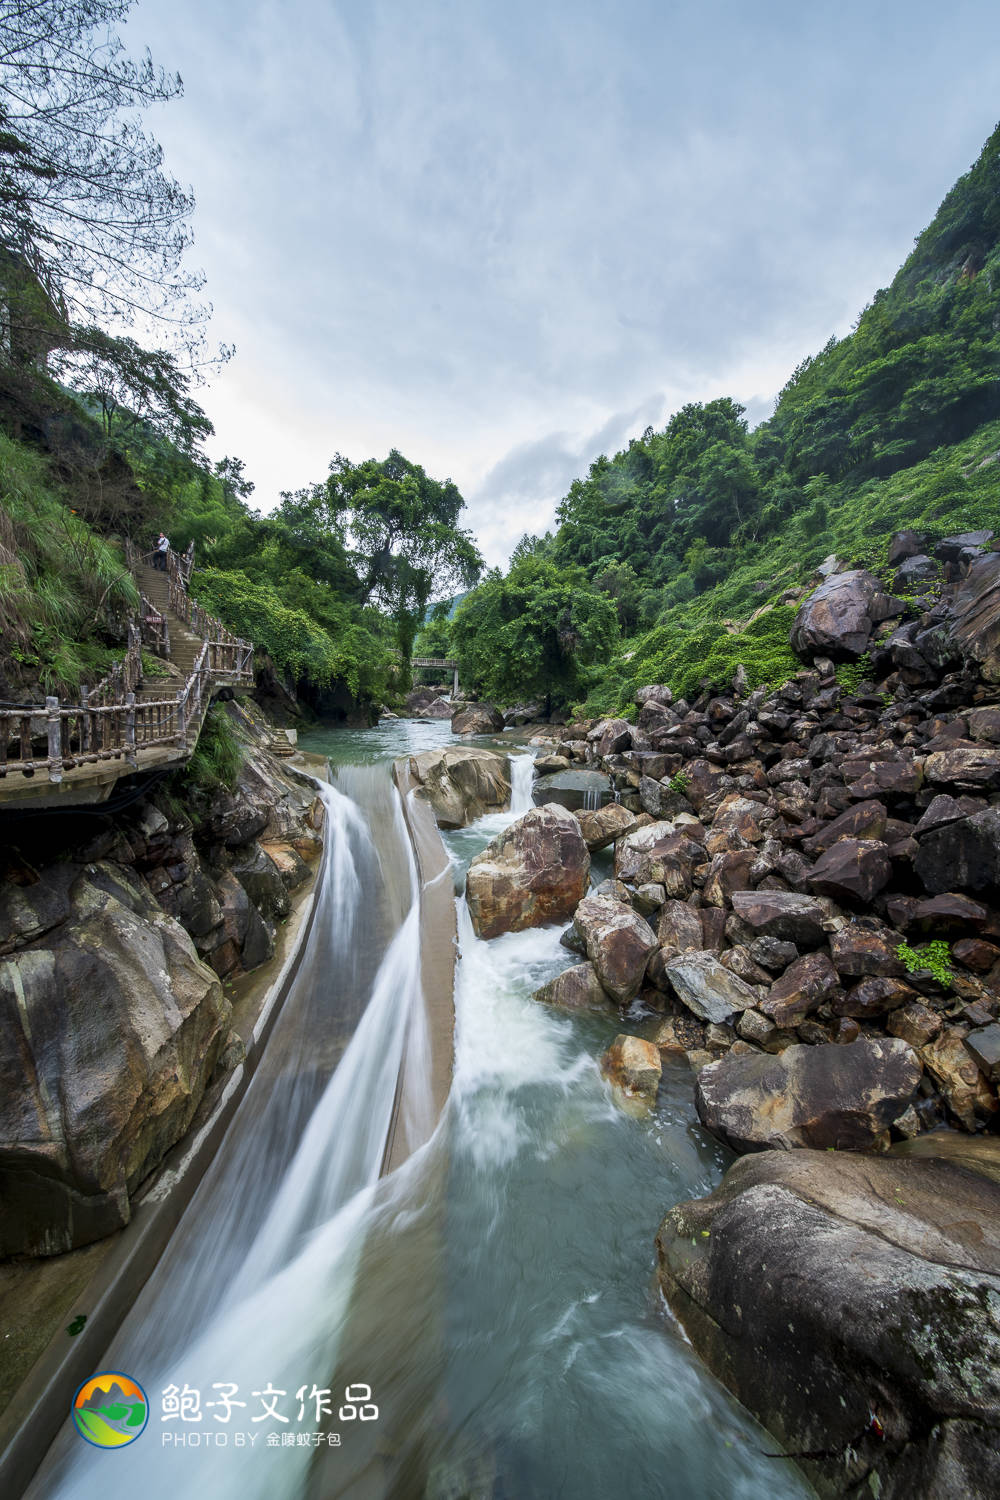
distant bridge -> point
(439, 664)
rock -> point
(261, 879)
(533, 873)
(957, 1075)
(984, 725)
(707, 988)
(549, 765)
(573, 789)
(477, 718)
(915, 1022)
(873, 997)
(976, 615)
(111, 1027)
(862, 1286)
(916, 570)
(728, 873)
(577, 988)
(737, 814)
(841, 1096)
(803, 987)
(865, 820)
(963, 855)
(975, 954)
(946, 915)
(783, 914)
(904, 544)
(633, 1067)
(964, 547)
(618, 942)
(655, 693)
(858, 950)
(603, 825)
(970, 768)
(611, 736)
(943, 809)
(983, 1044)
(853, 871)
(838, 618)
(524, 713)
(771, 953)
(679, 928)
(461, 783)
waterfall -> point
(256, 1283)
(592, 798)
(521, 776)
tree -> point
(93, 231)
(401, 528)
(533, 633)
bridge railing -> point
(109, 722)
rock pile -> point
(795, 853)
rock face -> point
(828, 1095)
(618, 943)
(462, 783)
(825, 1289)
(838, 618)
(111, 1029)
(533, 873)
(976, 615)
(477, 718)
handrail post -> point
(181, 730)
(84, 721)
(55, 739)
(130, 755)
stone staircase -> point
(185, 646)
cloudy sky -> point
(504, 236)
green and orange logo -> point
(110, 1410)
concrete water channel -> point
(425, 1265)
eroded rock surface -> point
(533, 873)
(462, 783)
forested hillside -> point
(689, 532)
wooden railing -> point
(109, 723)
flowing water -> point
(482, 1323)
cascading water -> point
(279, 1220)
(495, 1292)
(522, 771)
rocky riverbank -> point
(805, 904)
(119, 934)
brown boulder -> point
(858, 950)
(783, 914)
(533, 873)
(976, 615)
(873, 997)
(962, 1085)
(841, 1096)
(708, 989)
(970, 768)
(477, 718)
(802, 988)
(961, 855)
(853, 871)
(679, 928)
(618, 942)
(461, 783)
(577, 988)
(633, 1068)
(838, 618)
(602, 826)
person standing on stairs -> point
(160, 556)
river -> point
(483, 1324)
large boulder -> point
(708, 989)
(461, 783)
(633, 1068)
(826, 1095)
(783, 914)
(852, 871)
(961, 855)
(838, 618)
(477, 718)
(618, 943)
(603, 825)
(577, 988)
(533, 873)
(868, 1290)
(111, 1027)
(976, 615)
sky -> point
(505, 236)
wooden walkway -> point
(63, 754)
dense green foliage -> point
(64, 592)
(533, 633)
(693, 531)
